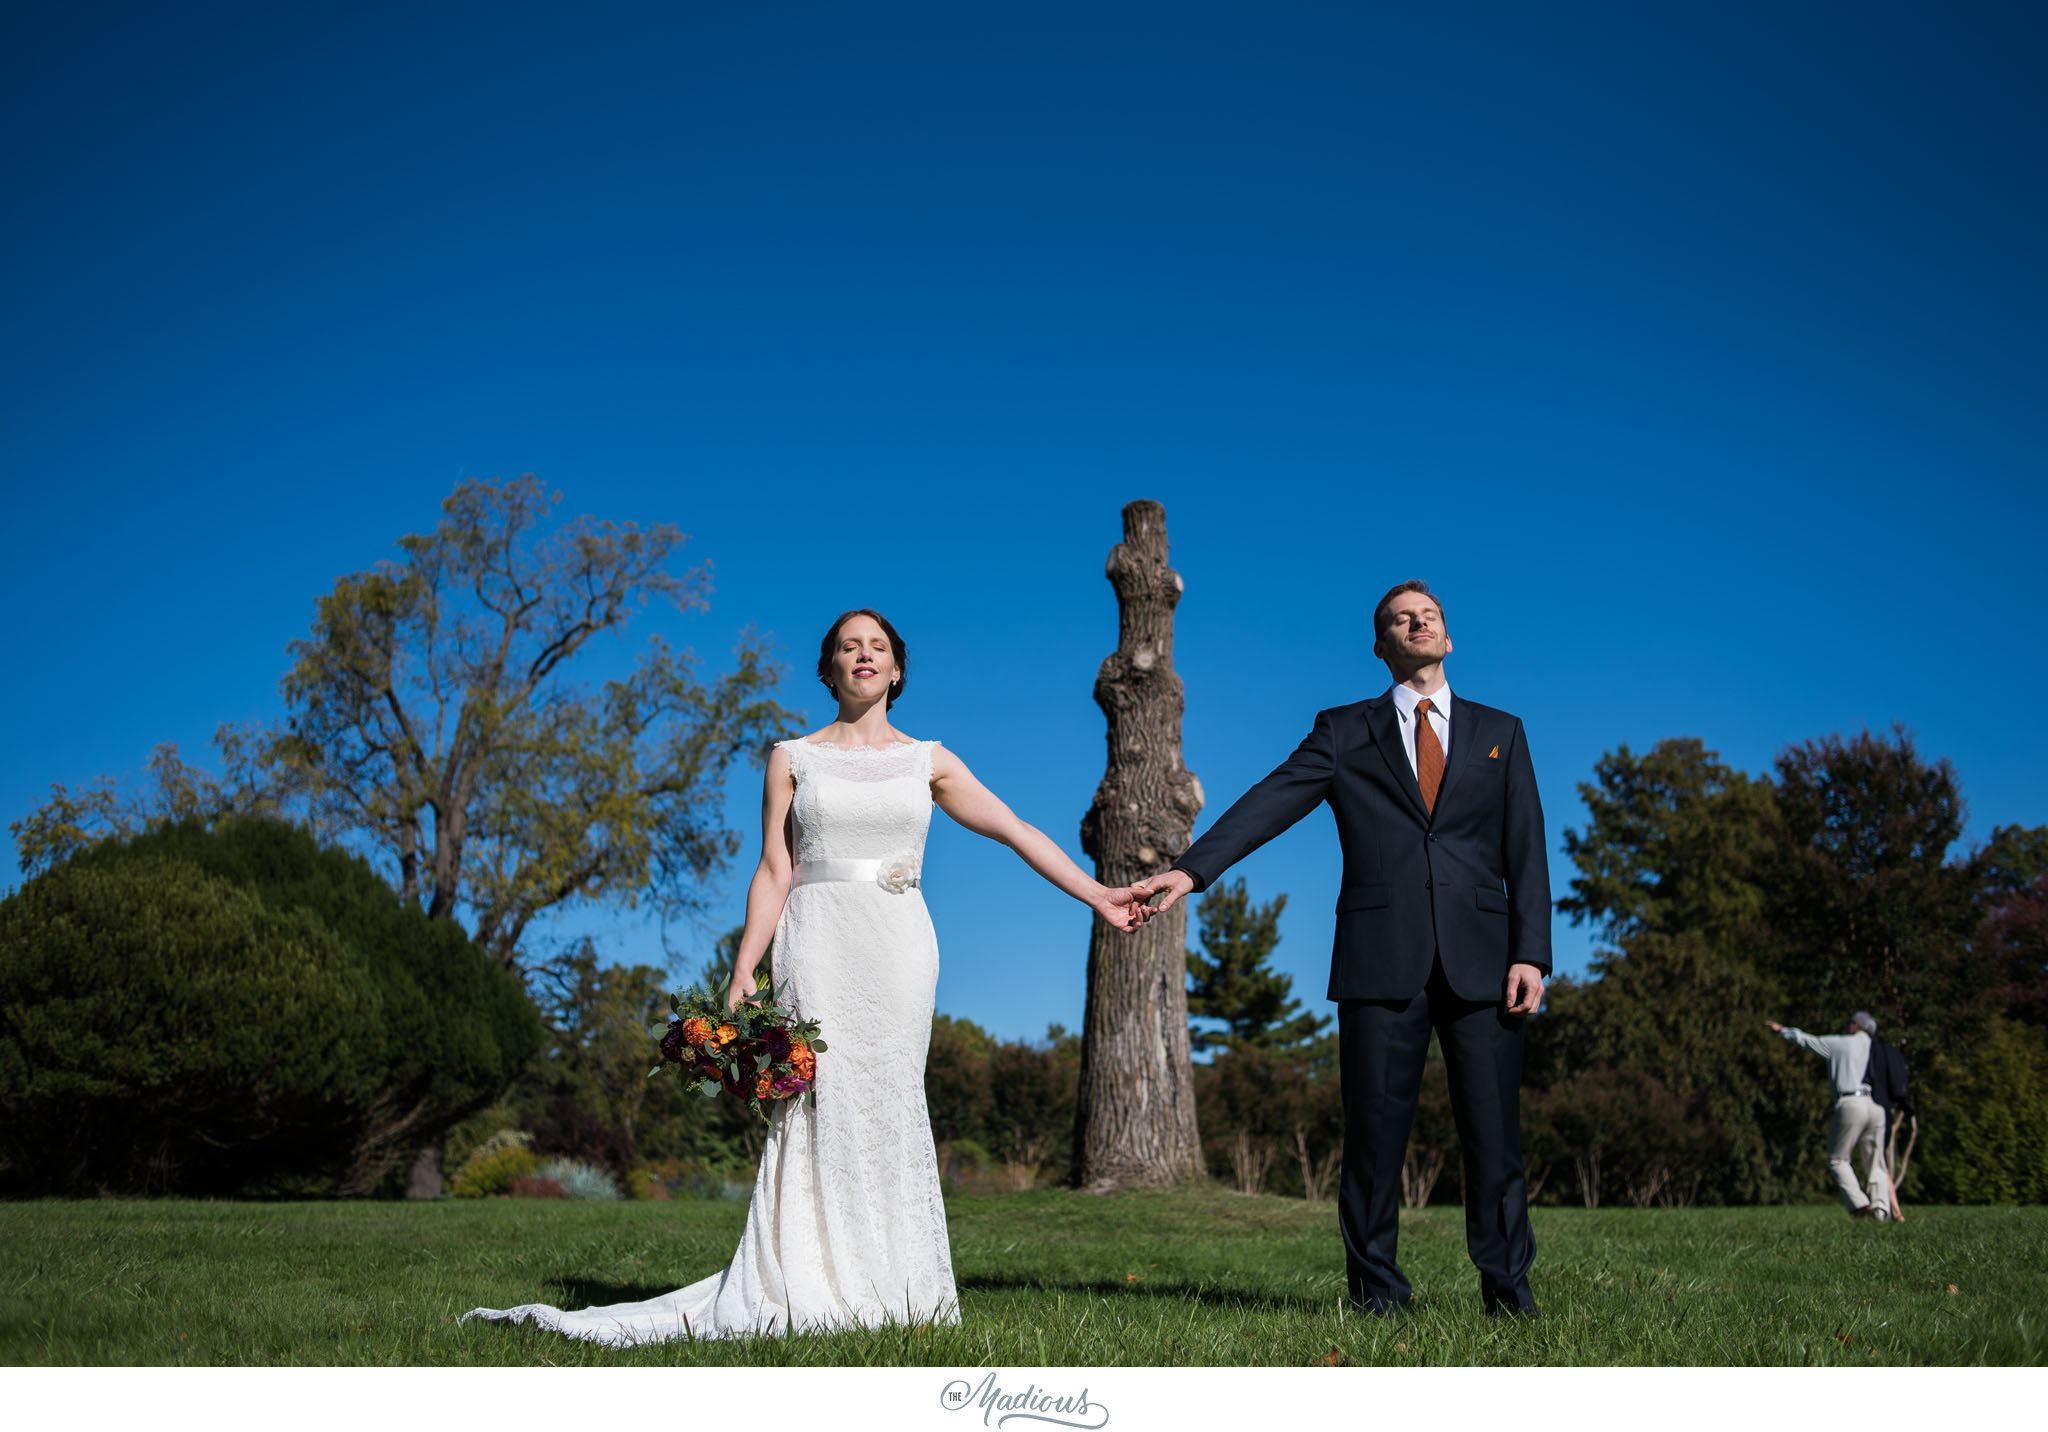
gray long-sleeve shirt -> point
(1848, 1055)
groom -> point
(1443, 923)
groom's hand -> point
(1174, 884)
(1525, 989)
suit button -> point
(1427, 885)
(1431, 837)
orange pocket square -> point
(1494, 754)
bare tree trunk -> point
(1647, 1183)
(1589, 1176)
(1420, 1169)
(1318, 1176)
(1134, 1120)
(1249, 1159)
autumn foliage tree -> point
(436, 721)
(434, 714)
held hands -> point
(1126, 909)
(1175, 884)
(1123, 909)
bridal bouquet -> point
(756, 1053)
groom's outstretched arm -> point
(1296, 787)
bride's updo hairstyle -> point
(829, 648)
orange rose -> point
(764, 1086)
(802, 1062)
(727, 1033)
(696, 1031)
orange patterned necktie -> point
(1429, 756)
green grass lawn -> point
(1194, 1276)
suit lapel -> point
(1385, 726)
(1467, 741)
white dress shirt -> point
(1848, 1055)
(1406, 698)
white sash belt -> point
(813, 872)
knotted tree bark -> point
(1134, 1124)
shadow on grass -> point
(1219, 1297)
(573, 1293)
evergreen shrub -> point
(162, 1030)
(455, 1027)
(237, 1010)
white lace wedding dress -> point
(846, 1227)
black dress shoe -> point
(1381, 1307)
(1509, 1303)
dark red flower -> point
(674, 1042)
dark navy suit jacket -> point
(1470, 884)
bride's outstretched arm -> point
(975, 806)
(770, 885)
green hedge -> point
(162, 1030)
(319, 1027)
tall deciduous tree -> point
(435, 717)
(434, 714)
(1865, 908)
(1135, 1123)
(1230, 979)
(1675, 841)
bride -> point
(846, 1227)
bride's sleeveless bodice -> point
(868, 803)
(846, 1227)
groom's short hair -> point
(1418, 586)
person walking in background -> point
(1858, 1119)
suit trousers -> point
(1381, 1048)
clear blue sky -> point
(1694, 352)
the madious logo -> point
(1031, 1404)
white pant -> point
(1859, 1120)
